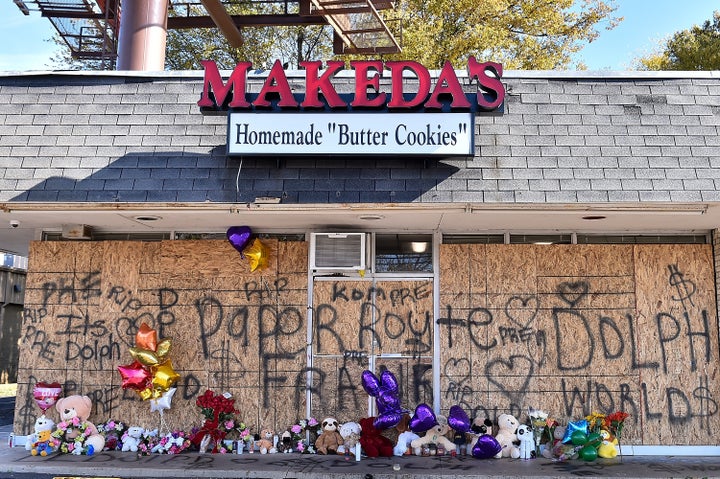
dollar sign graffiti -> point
(708, 405)
(685, 287)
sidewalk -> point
(286, 466)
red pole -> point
(143, 33)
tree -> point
(521, 34)
(697, 48)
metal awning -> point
(358, 25)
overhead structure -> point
(91, 28)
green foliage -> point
(521, 34)
(697, 48)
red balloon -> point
(46, 394)
(135, 376)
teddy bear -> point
(79, 407)
(132, 439)
(406, 436)
(350, 432)
(266, 444)
(507, 437)
(373, 443)
(330, 439)
(435, 435)
(285, 444)
(41, 441)
(483, 444)
(527, 442)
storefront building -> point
(553, 249)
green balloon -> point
(578, 438)
(594, 439)
(588, 453)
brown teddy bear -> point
(330, 439)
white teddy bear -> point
(132, 438)
(527, 442)
(350, 432)
(507, 436)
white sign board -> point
(272, 133)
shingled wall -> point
(563, 138)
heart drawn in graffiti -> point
(522, 310)
(572, 293)
(457, 370)
(500, 372)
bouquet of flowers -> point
(219, 413)
(113, 431)
(149, 442)
(298, 430)
(538, 419)
(173, 443)
(595, 421)
(614, 424)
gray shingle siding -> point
(561, 139)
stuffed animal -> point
(330, 439)
(41, 441)
(436, 435)
(266, 444)
(479, 427)
(406, 436)
(132, 439)
(556, 448)
(507, 437)
(527, 443)
(285, 443)
(373, 443)
(350, 432)
(79, 407)
(609, 446)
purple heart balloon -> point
(239, 237)
(458, 419)
(486, 447)
(387, 420)
(389, 382)
(423, 419)
(370, 383)
(388, 402)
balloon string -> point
(163, 429)
(237, 178)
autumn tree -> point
(697, 48)
(521, 34)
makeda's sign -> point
(434, 119)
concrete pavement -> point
(285, 466)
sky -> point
(25, 45)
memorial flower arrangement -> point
(149, 442)
(219, 413)
(299, 439)
(595, 421)
(538, 420)
(69, 435)
(615, 423)
(113, 431)
(173, 443)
